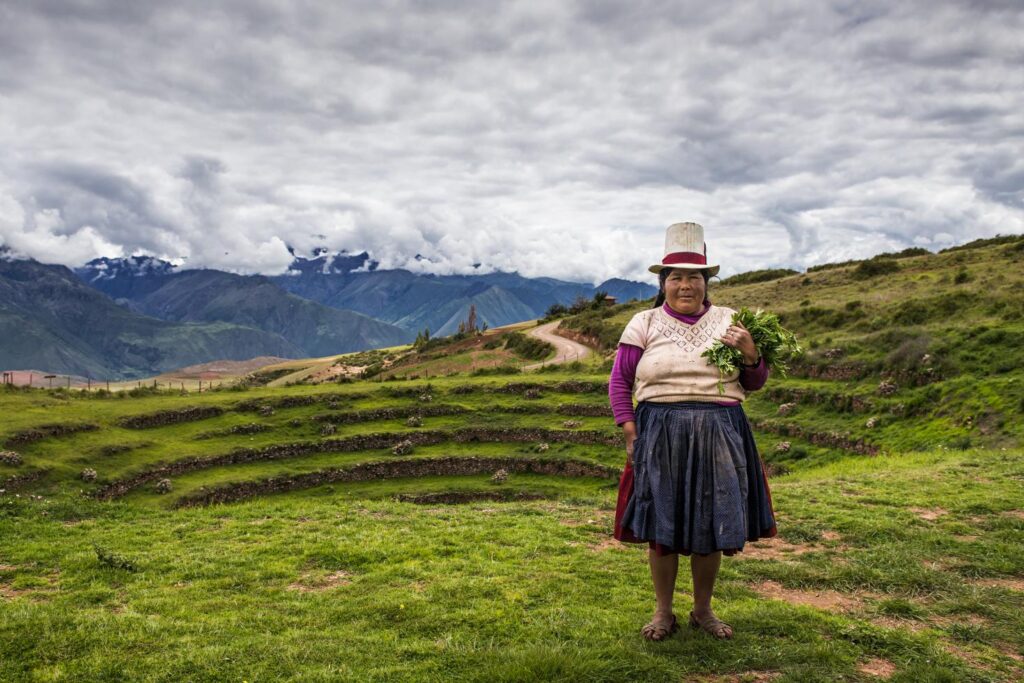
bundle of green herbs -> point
(774, 343)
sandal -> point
(713, 625)
(657, 632)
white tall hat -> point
(685, 248)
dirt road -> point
(568, 350)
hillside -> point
(256, 302)
(903, 353)
(50, 320)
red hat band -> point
(684, 257)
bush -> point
(530, 348)
(556, 311)
(753, 276)
(987, 242)
(874, 268)
(906, 253)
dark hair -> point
(663, 276)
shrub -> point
(961, 277)
(874, 268)
(556, 311)
(909, 353)
(906, 253)
(753, 276)
(530, 348)
(987, 242)
(113, 560)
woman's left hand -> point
(738, 338)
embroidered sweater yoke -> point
(671, 368)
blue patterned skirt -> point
(696, 483)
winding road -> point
(568, 350)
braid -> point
(662, 276)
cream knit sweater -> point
(671, 368)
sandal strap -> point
(712, 625)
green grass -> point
(345, 582)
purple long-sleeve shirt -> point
(620, 384)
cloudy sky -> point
(552, 138)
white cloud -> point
(554, 139)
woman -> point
(694, 483)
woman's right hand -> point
(629, 430)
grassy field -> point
(371, 537)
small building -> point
(610, 300)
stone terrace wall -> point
(396, 469)
(162, 418)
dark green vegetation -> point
(753, 276)
(457, 527)
(775, 344)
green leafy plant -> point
(113, 560)
(774, 343)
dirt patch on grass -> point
(929, 514)
(36, 594)
(604, 545)
(904, 624)
(315, 584)
(878, 667)
(966, 538)
(965, 655)
(823, 599)
(964, 619)
(456, 497)
(573, 523)
(1013, 584)
(1016, 514)
(745, 677)
(773, 549)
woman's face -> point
(685, 290)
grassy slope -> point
(326, 584)
(911, 557)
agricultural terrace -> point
(436, 513)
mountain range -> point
(344, 282)
(137, 316)
(49, 319)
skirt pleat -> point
(696, 483)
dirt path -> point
(568, 350)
